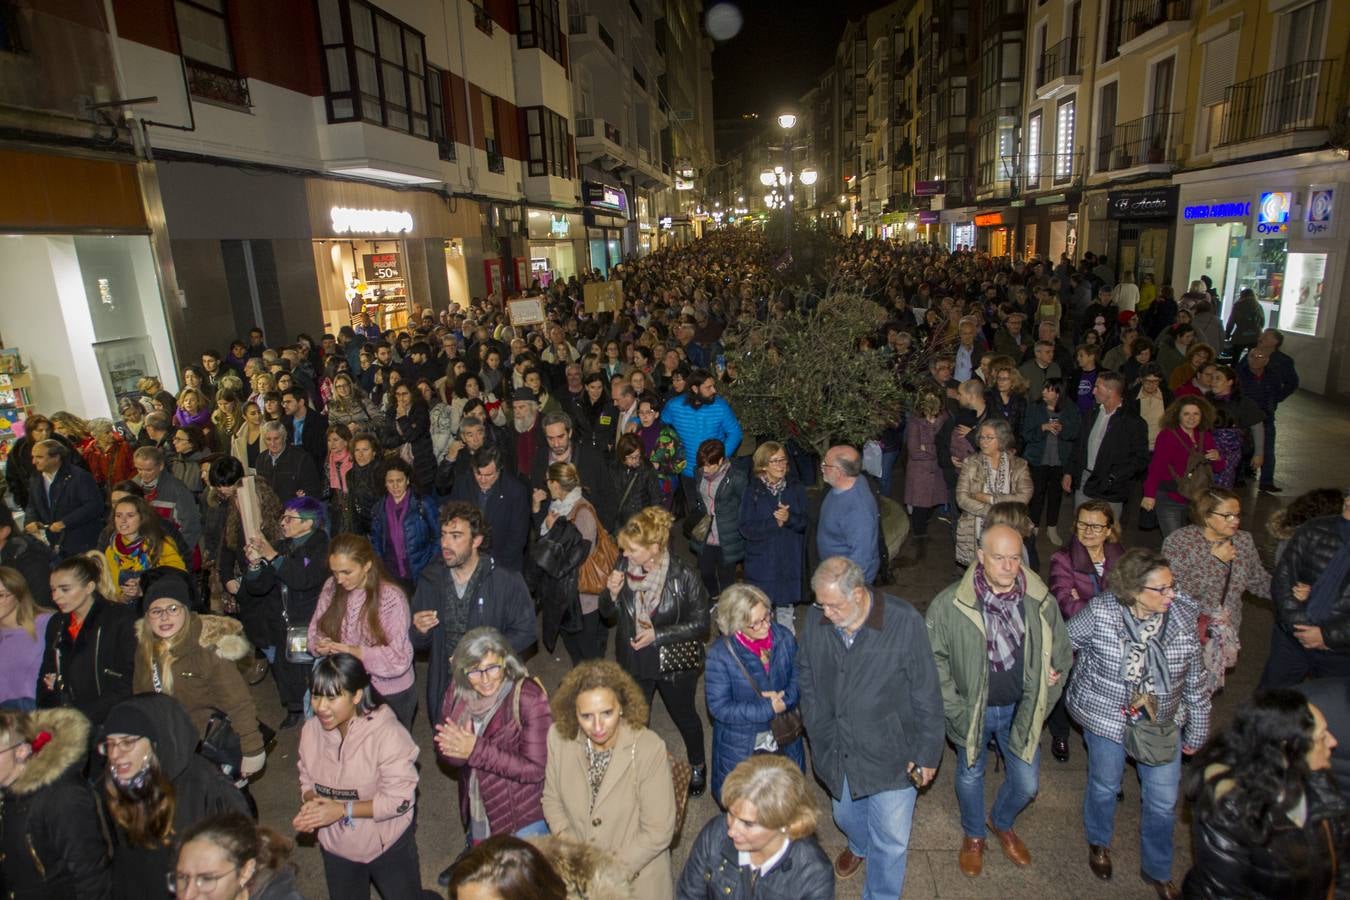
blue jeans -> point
(1020, 780)
(1106, 763)
(533, 829)
(877, 828)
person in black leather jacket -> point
(1268, 820)
(659, 601)
(769, 805)
(1311, 592)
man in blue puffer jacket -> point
(699, 414)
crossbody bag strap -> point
(748, 677)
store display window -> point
(1301, 304)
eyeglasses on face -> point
(1227, 517)
(1165, 590)
(205, 883)
(164, 612)
(117, 745)
(1091, 527)
(484, 672)
(757, 624)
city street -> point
(1051, 826)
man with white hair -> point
(1002, 652)
(871, 703)
(288, 470)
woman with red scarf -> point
(338, 463)
(750, 677)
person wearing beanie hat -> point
(194, 658)
(283, 583)
(526, 433)
(153, 766)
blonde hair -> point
(25, 607)
(760, 461)
(565, 475)
(649, 528)
(779, 791)
(106, 585)
(735, 605)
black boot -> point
(698, 781)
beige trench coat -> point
(634, 812)
(970, 483)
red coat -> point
(110, 466)
(509, 758)
(1171, 452)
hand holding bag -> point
(786, 725)
(1198, 477)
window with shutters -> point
(1220, 70)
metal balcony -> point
(1061, 69)
(1147, 144)
(599, 143)
(1143, 23)
(1295, 98)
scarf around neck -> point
(762, 648)
(647, 586)
(1004, 629)
(394, 514)
(775, 488)
(1143, 661)
(136, 552)
(339, 464)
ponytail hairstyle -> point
(83, 568)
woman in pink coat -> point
(1185, 429)
(358, 784)
(925, 486)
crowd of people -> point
(464, 491)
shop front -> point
(84, 310)
(1279, 232)
(958, 227)
(607, 215)
(994, 232)
(1048, 226)
(552, 238)
(1141, 231)
(387, 254)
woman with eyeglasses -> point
(231, 857)
(408, 431)
(1078, 572)
(1139, 689)
(750, 677)
(193, 658)
(156, 786)
(993, 474)
(1217, 563)
(494, 730)
(660, 447)
(281, 590)
(773, 524)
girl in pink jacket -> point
(361, 611)
(358, 784)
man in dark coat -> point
(1332, 697)
(504, 501)
(463, 590)
(1311, 592)
(64, 501)
(1268, 378)
(1111, 450)
(305, 428)
(288, 471)
(559, 446)
(28, 555)
(872, 707)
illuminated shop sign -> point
(1272, 215)
(1318, 221)
(1201, 211)
(370, 221)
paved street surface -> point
(1312, 432)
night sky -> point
(779, 53)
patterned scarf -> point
(647, 586)
(997, 481)
(135, 553)
(1143, 662)
(1004, 629)
(775, 488)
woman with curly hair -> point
(607, 781)
(1268, 820)
(1185, 430)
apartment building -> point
(1189, 138)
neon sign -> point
(370, 221)
(1217, 211)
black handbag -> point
(681, 656)
(787, 725)
(220, 745)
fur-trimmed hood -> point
(589, 872)
(221, 634)
(70, 739)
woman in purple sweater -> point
(1077, 574)
(23, 629)
(1185, 429)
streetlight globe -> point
(767, 178)
(787, 121)
(808, 177)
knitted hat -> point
(130, 718)
(524, 393)
(168, 586)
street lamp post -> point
(784, 176)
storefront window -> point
(1304, 278)
(1215, 251)
(1260, 266)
